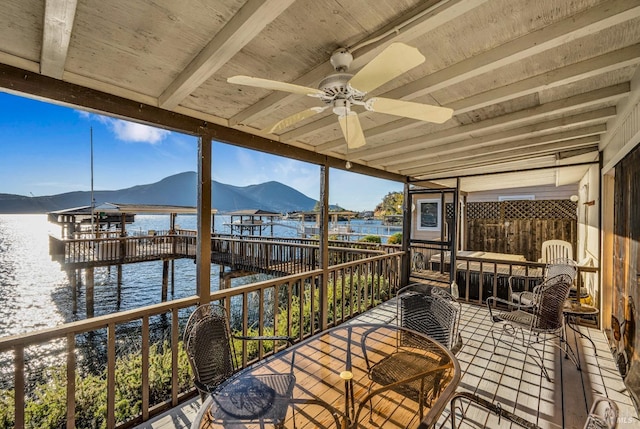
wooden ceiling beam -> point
(548, 157)
(427, 157)
(56, 35)
(494, 155)
(586, 23)
(583, 24)
(548, 162)
(562, 76)
(246, 24)
(406, 29)
(594, 117)
(388, 156)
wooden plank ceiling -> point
(531, 84)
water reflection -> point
(35, 293)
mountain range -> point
(179, 189)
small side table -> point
(574, 309)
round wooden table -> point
(345, 374)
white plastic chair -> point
(556, 249)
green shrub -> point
(395, 238)
(7, 405)
(46, 405)
(371, 239)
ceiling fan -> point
(342, 90)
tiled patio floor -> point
(506, 378)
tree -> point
(391, 204)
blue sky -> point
(46, 151)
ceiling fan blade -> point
(275, 85)
(352, 130)
(293, 119)
(395, 60)
(407, 109)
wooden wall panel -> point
(626, 290)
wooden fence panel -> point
(520, 227)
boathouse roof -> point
(254, 212)
(146, 208)
(120, 208)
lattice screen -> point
(525, 209)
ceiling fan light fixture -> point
(341, 107)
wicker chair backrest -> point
(432, 314)
(207, 340)
(562, 266)
(550, 299)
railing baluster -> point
(18, 377)
(71, 381)
(301, 292)
(276, 301)
(245, 323)
(145, 367)
(111, 375)
(261, 322)
(174, 356)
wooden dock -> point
(264, 255)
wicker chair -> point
(554, 268)
(602, 415)
(209, 345)
(432, 311)
(543, 322)
(418, 376)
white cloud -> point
(128, 131)
(132, 132)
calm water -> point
(35, 293)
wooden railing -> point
(290, 305)
(276, 257)
(261, 254)
(478, 278)
(388, 248)
(121, 250)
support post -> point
(405, 269)
(89, 288)
(203, 251)
(119, 291)
(165, 279)
(173, 277)
(324, 245)
(453, 264)
(73, 280)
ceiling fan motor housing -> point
(341, 59)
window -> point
(516, 197)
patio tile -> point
(508, 377)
